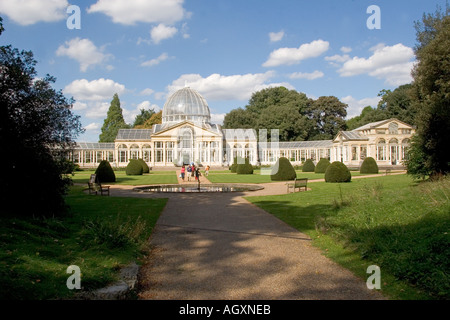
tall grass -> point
(391, 221)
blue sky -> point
(226, 50)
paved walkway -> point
(220, 246)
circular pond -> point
(180, 188)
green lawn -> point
(389, 221)
(99, 235)
(154, 177)
(256, 177)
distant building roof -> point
(94, 146)
(134, 134)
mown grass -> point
(257, 177)
(400, 225)
(154, 177)
(99, 234)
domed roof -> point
(186, 104)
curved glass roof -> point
(186, 104)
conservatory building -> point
(186, 135)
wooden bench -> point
(95, 186)
(298, 183)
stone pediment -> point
(199, 130)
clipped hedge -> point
(285, 170)
(245, 168)
(234, 166)
(308, 166)
(105, 173)
(134, 168)
(145, 168)
(322, 165)
(337, 172)
(369, 165)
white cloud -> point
(27, 12)
(147, 92)
(149, 11)
(337, 59)
(217, 118)
(276, 36)
(162, 32)
(346, 49)
(391, 63)
(156, 61)
(308, 76)
(290, 56)
(93, 127)
(83, 51)
(78, 106)
(147, 105)
(220, 87)
(95, 90)
(97, 110)
(356, 106)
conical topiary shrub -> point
(134, 168)
(105, 173)
(308, 166)
(322, 165)
(236, 161)
(369, 165)
(285, 171)
(245, 168)
(337, 172)
(145, 168)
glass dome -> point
(186, 104)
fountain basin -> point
(193, 188)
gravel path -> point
(215, 246)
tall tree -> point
(141, 118)
(114, 121)
(328, 114)
(156, 118)
(432, 94)
(398, 104)
(37, 129)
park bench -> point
(298, 183)
(95, 186)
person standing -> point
(207, 171)
(189, 172)
(183, 171)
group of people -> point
(191, 171)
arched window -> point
(393, 128)
(134, 154)
(381, 149)
(123, 153)
(147, 152)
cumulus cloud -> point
(95, 127)
(156, 61)
(101, 89)
(147, 92)
(84, 51)
(132, 11)
(27, 12)
(217, 118)
(162, 32)
(290, 56)
(220, 87)
(276, 36)
(308, 76)
(355, 106)
(346, 49)
(391, 63)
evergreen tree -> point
(432, 91)
(114, 121)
